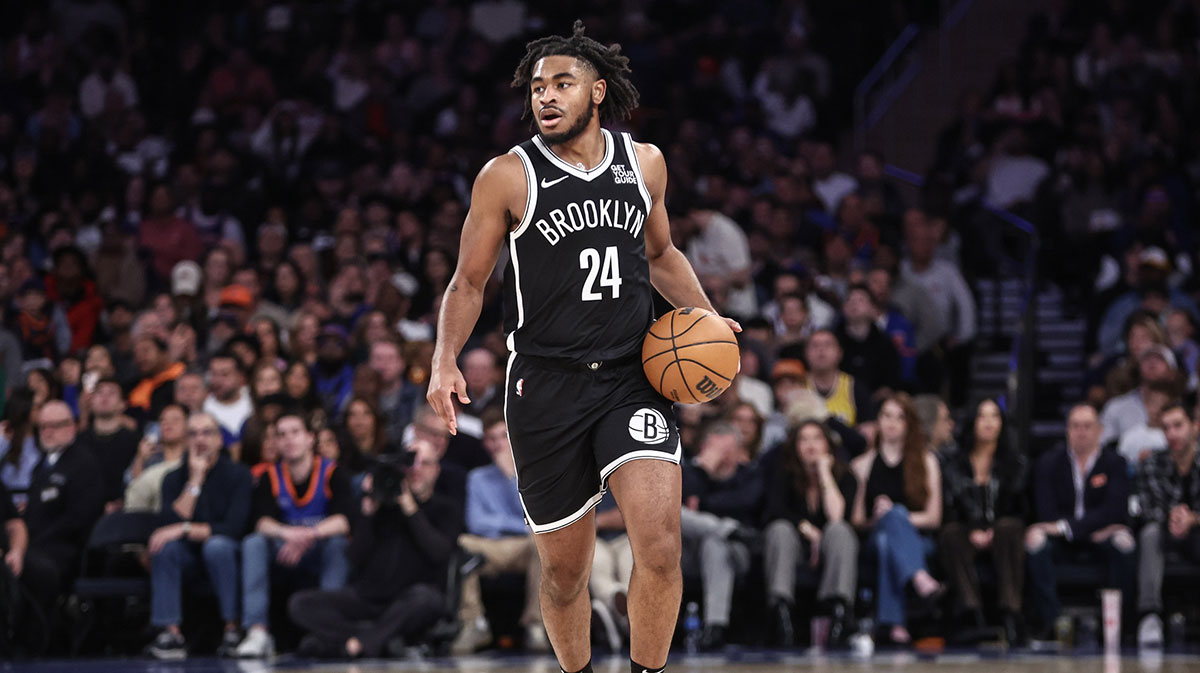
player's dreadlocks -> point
(610, 65)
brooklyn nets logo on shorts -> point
(649, 426)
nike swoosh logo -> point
(550, 183)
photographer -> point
(398, 552)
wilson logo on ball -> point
(708, 388)
(649, 426)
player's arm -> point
(488, 220)
(670, 272)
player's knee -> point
(562, 582)
(659, 556)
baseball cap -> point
(185, 278)
(1154, 256)
(235, 295)
(788, 367)
(334, 331)
(33, 284)
(1162, 352)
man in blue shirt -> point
(496, 529)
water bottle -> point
(1176, 630)
(691, 627)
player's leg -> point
(566, 557)
(648, 493)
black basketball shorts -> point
(571, 427)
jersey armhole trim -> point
(637, 169)
(530, 192)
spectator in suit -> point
(301, 517)
(1168, 488)
(899, 497)
(722, 502)
(398, 553)
(808, 494)
(205, 512)
(65, 500)
(496, 529)
(985, 510)
(1080, 500)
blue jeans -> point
(901, 551)
(326, 561)
(180, 560)
(1121, 569)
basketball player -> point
(581, 212)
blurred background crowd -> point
(248, 209)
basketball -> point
(690, 355)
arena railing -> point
(896, 69)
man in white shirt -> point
(105, 80)
(948, 291)
(1155, 367)
(228, 400)
(829, 184)
(717, 246)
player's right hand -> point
(447, 380)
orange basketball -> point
(690, 355)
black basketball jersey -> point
(577, 286)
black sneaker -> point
(229, 644)
(314, 647)
(785, 632)
(167, 646)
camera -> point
(388, 472)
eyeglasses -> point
(55, 425)
(206, 432)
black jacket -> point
(224, 502)
(64, 503)
(113, 454)
(979, 506)
(390, 552)
(738, 497)
(1105, 492)
(874, 361)
(783, 502)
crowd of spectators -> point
(226, 233)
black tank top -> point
(884, 480)
(577, 286)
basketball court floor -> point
(742, 662)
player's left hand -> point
(733, 324)
(736, 327)
(447, 380)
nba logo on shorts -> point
(520, 387)
(649, 426)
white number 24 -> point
(609, 272)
